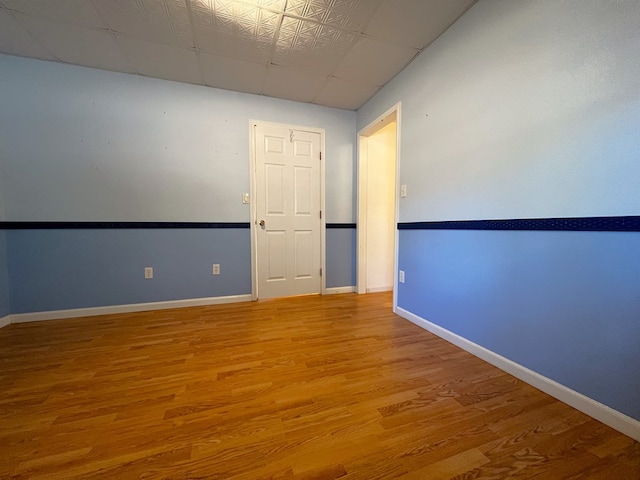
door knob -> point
(261, 223)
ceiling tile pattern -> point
(310, 46)
(160, 21)
(345, 94)
(235, 29)
(417, 23)
(75, 12)
(162, 61)
(336, 53)
(17, 41)
(351, 15)
(374, 62)
(232, 73)
(77, 45)
(295, 85)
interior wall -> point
(341, 263)
(522, 110)
(380, 223)
(83, 144)
(527, 110)
(5, 307)
(80, 144)
(563, 304)
(66, 269)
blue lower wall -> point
(564, 304)
(63, 269)
(4, 277)
(59, 269)
(341, 257)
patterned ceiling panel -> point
(17, 41)
(235, 29)
(71, 44)
(295, 85)
(312, 46)
(331, 52)
(162, 61)
(374, 62)
(232, 73)
(160, 21)
(271, 4)
(76, 12)
(344, 14)
(344, 94)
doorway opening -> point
(378, 162)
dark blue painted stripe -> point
(340, 225)
(580, 224)
(116, 225)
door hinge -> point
(320, 213)
(320, 155)
(320, 272)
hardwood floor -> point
(300, 388)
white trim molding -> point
(392, 114)
(334, 290)
(380, 289)
(134, 307)
(607, 415)
(4, 321)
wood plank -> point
(298, 388)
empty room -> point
(318, 239)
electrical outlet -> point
(148, 272)
(401, 276)
(216, 269)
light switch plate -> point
(403, 191)
(245, 198)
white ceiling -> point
(336, 53)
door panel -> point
(274, 144)
(276, 249)
(302, 190)
(302, 148)
(287, 179)
(303, 253)
(274, 189)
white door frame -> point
(363, 158)
(253, 188)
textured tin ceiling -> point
(330, 52)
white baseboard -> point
(380, 289)
(134, 307)
(607, 415)
(4, 321)
(333, 290)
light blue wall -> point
(522, 109)
(5, 308)
(341, 257)
(63, 269)
(82, 144)
(79, 144)
(528, 110)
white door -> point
(288, 217)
